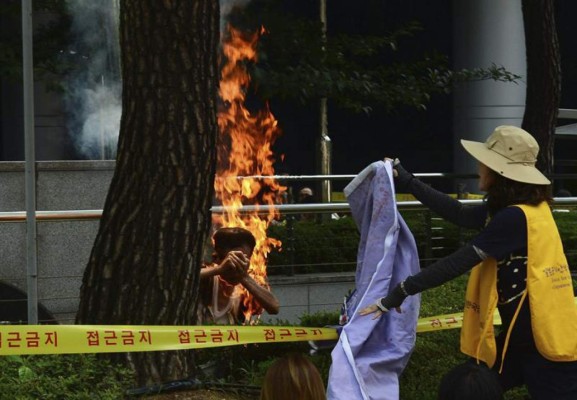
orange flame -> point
(245, 149)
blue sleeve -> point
(506, 233)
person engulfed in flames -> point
(220, 298)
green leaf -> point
(26, 373)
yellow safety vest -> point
(550, 289)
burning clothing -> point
(228, 294)
(372, 353)
(218, 304)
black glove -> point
(393, 300)
(403, 178)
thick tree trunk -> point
(543, 76)
(144, 265)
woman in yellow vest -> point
(517, 266)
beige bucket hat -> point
(511, 152)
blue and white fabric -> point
(372, 353)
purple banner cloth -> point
(371, 354)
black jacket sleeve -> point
(447, 207)
(443, 270)
(435, 275)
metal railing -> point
(79, 215)
(288, 211)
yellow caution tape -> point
(68, 339)
(447, 321)
(450, 321)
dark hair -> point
(226, 239)
(293, 376)
(470, 381)
(505, 192)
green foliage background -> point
(298, 61)
(74, 377)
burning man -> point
(220, 298)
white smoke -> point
(102, 110)
(94, 90)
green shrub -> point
(75, 377)
(567, 223)
(319, 319)
(329, 246)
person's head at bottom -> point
(470, 381)
(291, 377)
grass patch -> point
(73, 377)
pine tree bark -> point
(543, 77)
(145, 262)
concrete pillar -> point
(486, 32)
